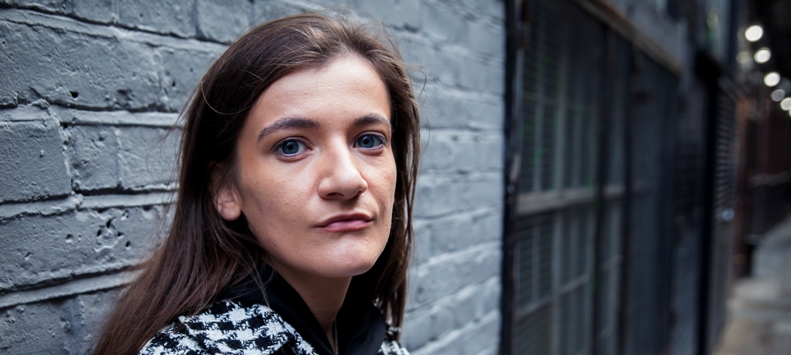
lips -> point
(345, 222)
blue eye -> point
(291, 147)
(370, 141)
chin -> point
(352, 259)
(350, 267)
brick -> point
(398, 13)
(486, 41)
(41, 328)
(421, 250)
(62, 326)
(439, 21)
(440, 278)
(462, 151)
(34, 165)
(412, 46)
(484, 335)
(441, 67)
(94, 309)
(466, 229)
(472, 303)
(264, 11)
(43, 248)
(418, 329)
(487, 78)
(450, 313)
(93, 157)
(441, 195)
(102, 11)
(494, 9)
(449, 108)
(475, 338)
(222, 20)
(457, 66)
(181, 71)
(147, 156)
(168, 17)
(74, 69)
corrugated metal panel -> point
(611, 237)
(648, 307)
(724, 190)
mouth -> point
(345, 222)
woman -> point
(292, 227)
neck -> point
(324, 296)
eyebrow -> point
(299, 122)
(287, 122)
(371, 119)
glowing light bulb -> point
(772, 79)
(778, 95)
(762, 55)
(786, 104)
(754, 33)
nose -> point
(340, 178)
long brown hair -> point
(202, 253)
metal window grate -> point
(533, 332)
(569, 212)
(560, 114)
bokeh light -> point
(772, 79)
(762, 55)
(754, 33)
(778, 95)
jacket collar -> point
(361, 327)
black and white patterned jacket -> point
(256, 317)
(228, 327)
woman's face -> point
(316, 172)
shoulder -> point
(228, 327)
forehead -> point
(343, 84)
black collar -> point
(361, 327)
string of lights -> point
(772, 79)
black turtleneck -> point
(361, 327)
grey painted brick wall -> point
(89, 91)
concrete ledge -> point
(109, 201)
(45, 208)
(74, 287)
(52, 207)
(116, 118)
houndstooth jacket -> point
(228, 327)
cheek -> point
(269, 204)
(388, 180)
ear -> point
(227, 203)
(226, 199)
